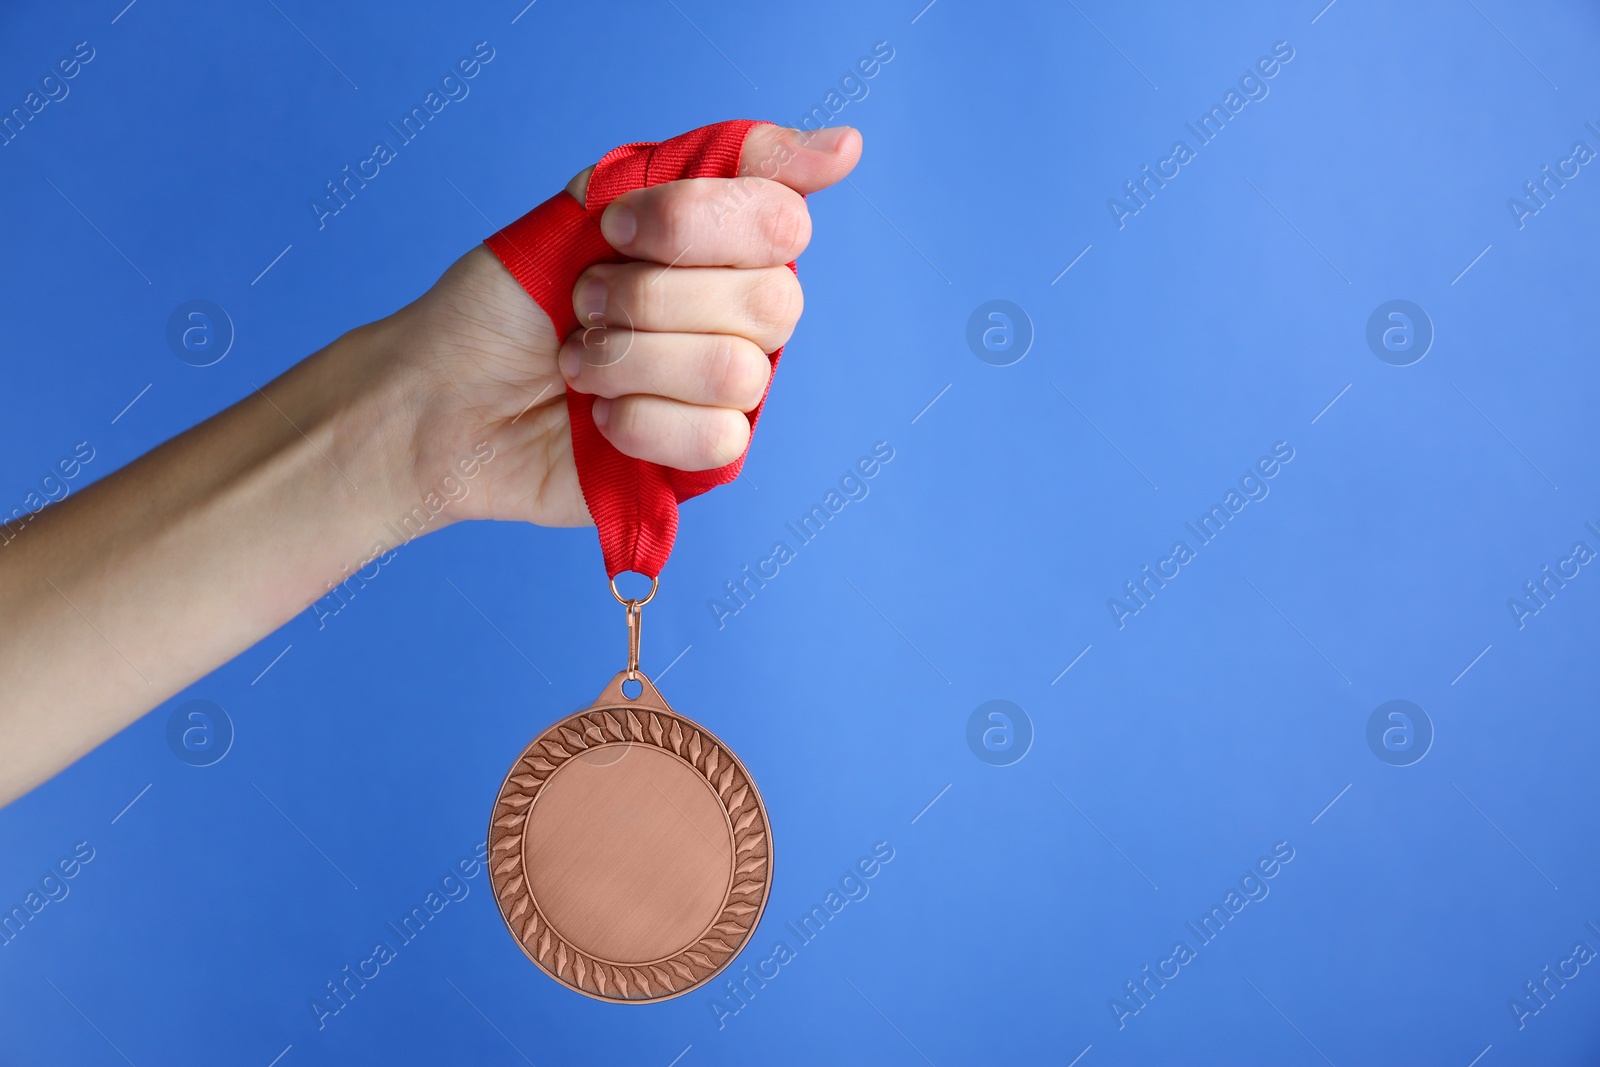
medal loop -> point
(655, 583)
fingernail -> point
(569, 362)
(601, 410)
(619, 224)
(826, 139)
(589, 302)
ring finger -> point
(687, 437)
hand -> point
(679, 354)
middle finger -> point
(762, 304)
(711, 370)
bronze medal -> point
(630, 851)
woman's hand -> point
(674, 346)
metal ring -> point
(654, 584)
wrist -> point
(398, 421)
(367, 396)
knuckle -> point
(739, 371)
(726, 438)
(722, 369)
(784, 225)
(775, 303)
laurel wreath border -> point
(752, 855)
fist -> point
(674, 345)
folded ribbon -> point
(634, 503)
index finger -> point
(804, 160)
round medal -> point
(629, 850)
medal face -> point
(629, 850)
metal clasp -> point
(635, 621)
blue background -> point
(1221, 719)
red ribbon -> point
(634, 503)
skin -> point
(124, 593)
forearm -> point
(124, 593)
